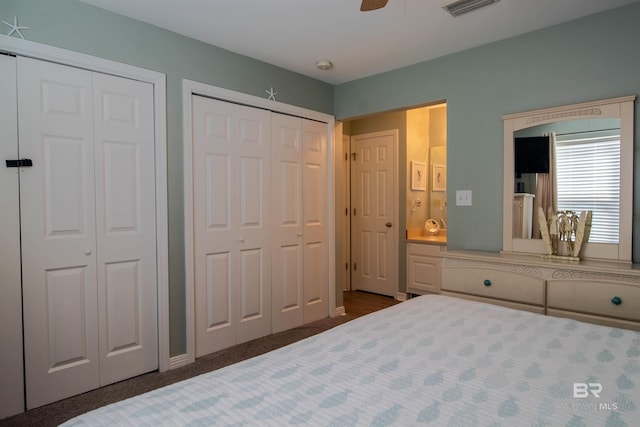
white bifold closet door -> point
(260, 222)
(231, 186)
(88, 229)
(314, 213)
(300, 254)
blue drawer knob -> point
(616, 300)
(487, 282)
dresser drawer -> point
(598, 320)
(595, 297)
(490, 283)
(508, 304)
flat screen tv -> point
(531, 154)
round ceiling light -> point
(324, 65)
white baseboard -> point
(180, 361)
(401, 296)
(340, 311)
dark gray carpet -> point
(58, 412)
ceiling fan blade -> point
(368, 5)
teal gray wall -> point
(79, 27)
(592, 58)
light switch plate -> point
(463, 197)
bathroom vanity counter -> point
(420, 235)
(433, 240)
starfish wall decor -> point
(271, 93)
(14, 28)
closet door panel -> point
(219, 291)
(11, 385)
(251, 284)
(65, 312)
(316, 260)
(231, 176)
(287, 229)
(125, 215)
(218, 192)
(63, 160)
(215, 260)
(122, 290)
(251, 194)
(58, 231)
(252, 141)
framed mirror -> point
(582, 154)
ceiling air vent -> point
(459, 7)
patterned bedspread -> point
(432, 360)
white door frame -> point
(158, 80)
(346, 221)
(190, 88)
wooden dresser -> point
(606, 293)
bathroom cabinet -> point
(423, 268)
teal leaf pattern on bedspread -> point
(432, 361)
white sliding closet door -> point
(231, 186)
(316, 251)
(88, 229)
(288, 243)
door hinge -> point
(346, 156)
(354, 211)
(355, 266)
(353, 156)
(19, 163)
(346, 211)
(346, 264)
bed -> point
(432, 360)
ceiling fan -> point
(368, 5)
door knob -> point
(87, 251)
(241, 239)
(389, 224)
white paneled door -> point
(231, 187)
(88, 229)
(316, 251)
(260, 222)
(287, 241)
(374, 222)
(125, 227)
(299, 232)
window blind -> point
(588, 178)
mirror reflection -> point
(571, 165)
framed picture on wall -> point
(418, 175)
(439, 180)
